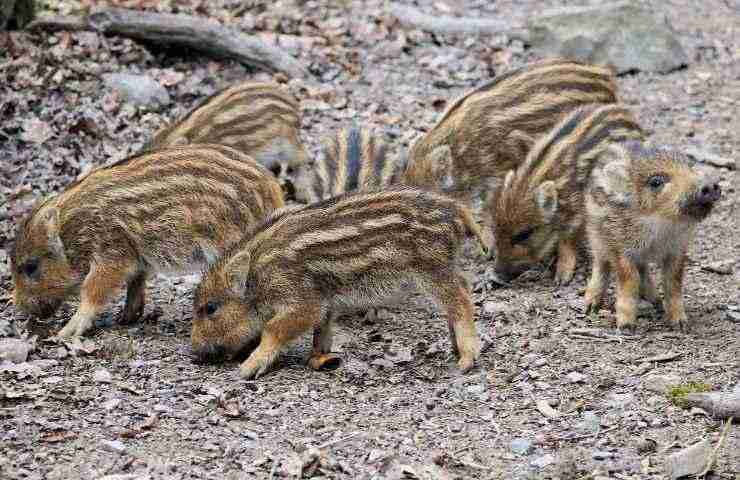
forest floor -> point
(129, 403)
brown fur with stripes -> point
(491, 129)
(354, 159)
(172, 210)
(540, 205)
(353, 251)
(261, 120)
(642, 207)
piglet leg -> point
(628, 290)
(453, 297)
(321, 356)
(283, 328)
(673, 291)
(99, 288)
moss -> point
(677, 394)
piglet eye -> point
(522, 236)
(657, 181)
(30, 268)
(211, 308)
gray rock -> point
(520, 446)
(723, 267)
(114, 446)
(590, 422)
(576, 377)
(102, 376)
(660, 383)
(710, 158)
(138, 89)
(543, 461)
(602, 455)
(620, 400)
(689, 461)
(14, 350)
(624, 34)
(733, 317)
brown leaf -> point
(56, 437)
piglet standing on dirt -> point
(353, 251)
(643, 206)
(169, 211)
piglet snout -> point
(709, 192)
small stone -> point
(476, 389)
(710, 158)
(733, 316)
(111, 404)
(590, 422)
(645, 445)
(620, 400)
(14, 350)
(520, 446)
(723, 267)
(543, 461)
(602, 455)
(102, 376)
(114, 446)
(576, 377)
(660, 383)
(139, 90)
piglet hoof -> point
(253, 369)
(464, 365)
(325, 361)
(563, 277)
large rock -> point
(138, 89)
(624, 34)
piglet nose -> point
(709, 192)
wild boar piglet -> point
(168, 211)
(641, 207)
(261, 120)
(540, 207)
(304, 265)
(490, 130)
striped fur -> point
(303, 265)
(169, 211)
(354, 159)
(491, 129)
(259, 119)
(541, 203)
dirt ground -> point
(129, 403)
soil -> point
(128, 402)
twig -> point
(665, 357)
(338, 440)
(204, 35)
(411, 17)
(590, 435)
(713, 457)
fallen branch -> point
(717, 404)
(201, 34)
(597, 334)
(413, 18)
(665, 357)
(713, 457)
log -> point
(717, 404)
(413, 18)
(201, 34)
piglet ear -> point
(52, 224)
(441, 161)
(613, 183)
(547, 199)
(237, 272)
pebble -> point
(138, 89)
(543, 461)
(602, 455)
(114, 446)
(14, 350)
(111, 404)
(733, 316)
(576, 377)
(660, 383)
(520, 446)
(102, 376)
(591, 422)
